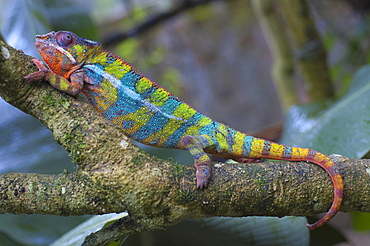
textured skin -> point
(151, 115)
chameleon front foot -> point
(39, 75)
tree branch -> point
(283, 65)
(308, 49)
(115, 176)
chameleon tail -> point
(329, 166)
(260, 148)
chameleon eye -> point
(64, 39)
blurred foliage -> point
(35, 229)
(361, 221)
(7, 240)
(263, 231)
(329, 236)
(76, 236)
(342, 128)
(128, 48)
(360, 5)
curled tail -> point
(260, 148)
(329, 166)
(229, 143)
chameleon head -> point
(64, 51)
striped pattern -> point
(153, 116)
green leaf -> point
(76, 236)
(7, 240)
(361, 221)
(343, 128)
(36, 229)
(229, 231)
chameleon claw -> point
(203, 174)
(201, 183)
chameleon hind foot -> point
(196, 145)
(203, 174)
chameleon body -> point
(151, 115)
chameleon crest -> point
(151, 115)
